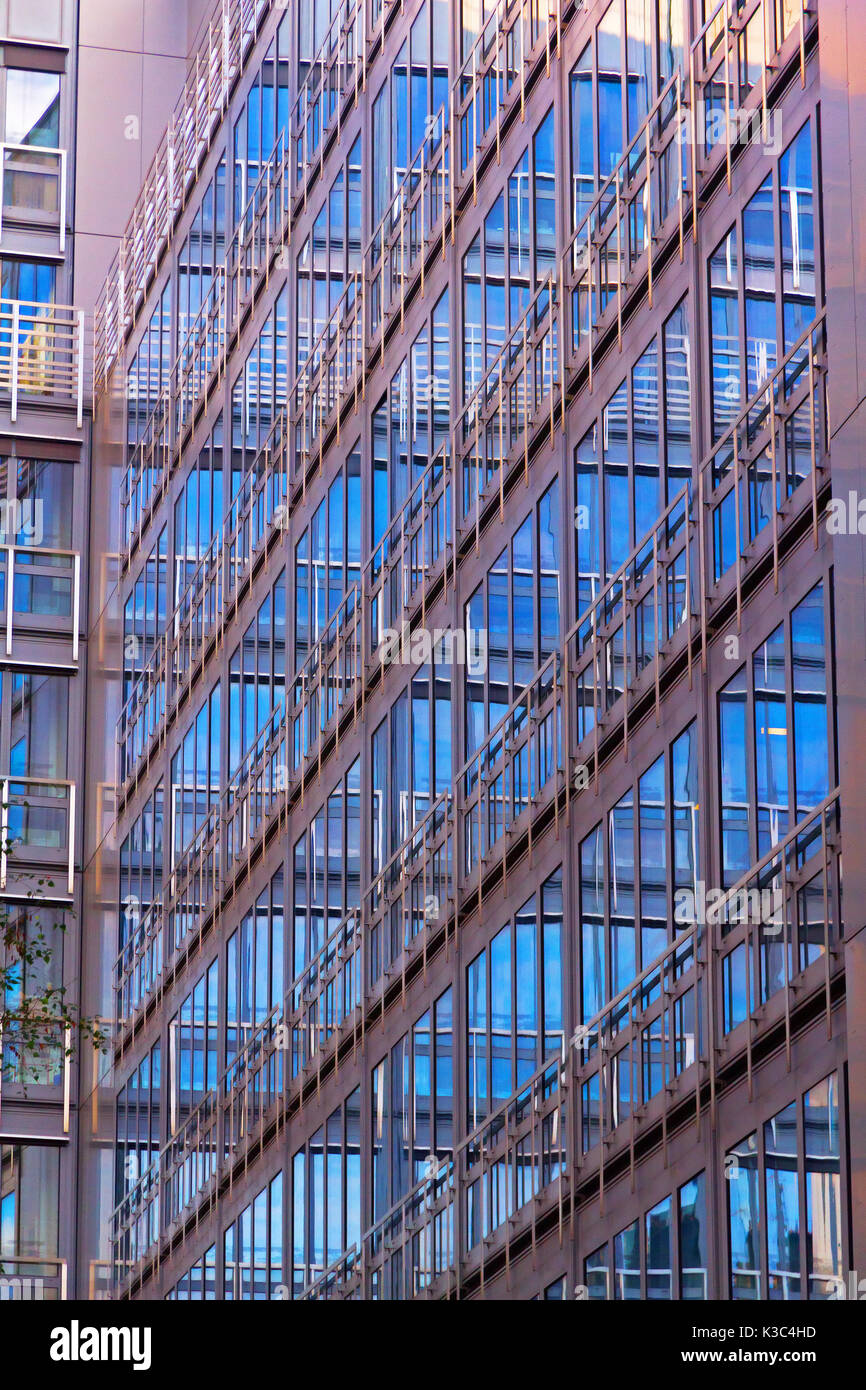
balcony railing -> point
(486, 1192)
(34, 186)
(139, 965)
(732, 974)
(654, 1053)
(654, 611)
(41, 354)
(412, 897)
(219, 61)
(29, 1278)
(326, 1001)
(493, 77)
(328, 682)
(613, 247)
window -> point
(255, 981)
(326, 1194)
(147, 377)
(199, 1282)
(195, 775)
(744, 1219)
(555, 1292)
(32, 109)
(141, 865)
(510, 256)
(34, 725)
(659, 1253)
(789, 689)
(29, 1208)
(637, 46)
(253, 1248)
(263, 119)
(328, 557)
(518, 609)
(34, 971)
(411, 759)
(412, 1106)
(259, 390)
(596, 1274)
(33, 282)
(823, 1189)
(202, 255)
(693, 1248)
(654, 1254)
(634, 460)
(411, 421)
(329, 256)
(257, 674)
(782, 1200)
(626, 1263)
(327, 870)
(626, 880)
(415, 88)
(514, 1003)
(778, 308)
(144, 613)
(192, 1047)
(766, 1186)
(199, 510)
(138, 1128)
(38, 504)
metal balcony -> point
(42, 357)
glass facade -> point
(477, 786)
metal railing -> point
(652, 611)
(412, 897)
(326, 1001)
(219, 61)
(613, 247)
(139, 964)
(333, 77)
(650, 1054)
(487, 1191)
(524, 387)
(494, 74)
(655, 1044)
(41, 354)
(28, 1278)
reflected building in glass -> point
(468, 742)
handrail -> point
(220, 59)
(42, 353)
